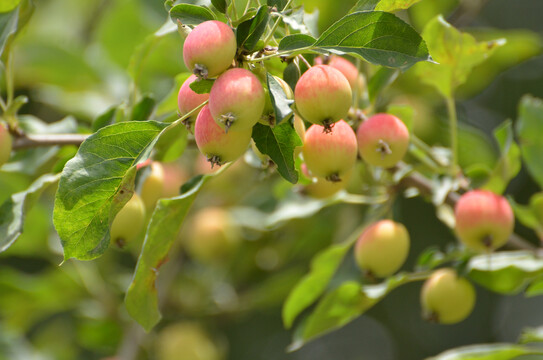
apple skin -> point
(128, 222)
(321, 188)
(213, 237)
(209, 49)
(484, 220)
(5, 144)
(347, 68)
(330, 155)
(323, 96)
(217, 145)
(382, 248)
(447, 298)
(237, 100)
(188, 100)
(383, 140)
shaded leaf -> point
(143, 109)
(347, 302)
(171, 144)
(104, 119)
(380, 81)
(141, 298)
(296, 42)
(378, 37)
(250, 31)
(535, 288)
(12, 22)
(509, 164)
(505, 272)
(13, 210)
(189, 14)
(220, 5)
(279, 143)
(529, 128)
(280, 102)
(456, 54)
(485, 352)
(279, 4)
(96, 184)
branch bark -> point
(34, 140)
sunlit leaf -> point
(189, 14)
(529, 128)
(96, 184)
(485, 352)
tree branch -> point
(34, 140)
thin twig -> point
(35, 140)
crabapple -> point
(213, 236)
(237, 100)
(484, 220)
(347, 68)
(447, 298)
(321, 188)
(330, 155)
(188, 100)
(323, 96)
(186, 341)
(209, 49)
(218, 146)
(5, 145)
(382, 140)
(128, 222)
(163, 181)
(382, 248)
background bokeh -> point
(71, 61)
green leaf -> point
(143, 50)
(12, 22)
(143, 109)
(104, 119)
(535, 288)
(189, 14)
(382, 5)
(378, 37)
(525, 214)
(220, 5)
(485, 352)
(280, 102)
(530, 335)
(509, 164)
(456, 54)
(249, 32)
(529, 129)
(279, 143)
(312, 285)
(380, 81)
(8, 27)
(171, 144)
(279, 4)
(346, 303)
(141, 298)
(8, 5)
(296, 42)
(505, 272)
(291, 74)
(96, 184)
(202, 86)
(13, 210)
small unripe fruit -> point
(323, 96)
(213, 237)
(209, 49)
(186, 341)
(382, 248)
(128, 222)
(188, 100)
(484, 220)
(163, 181)
(382, 140)
(218, 146)
(5, 145)
(447, 298)
(236, 100)
(330, 155)
(347, 68)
